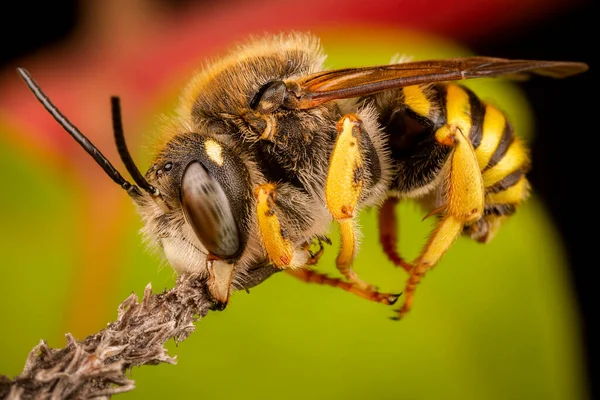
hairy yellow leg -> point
(465, 202)
(342, 191)
(310, 276)
(280, 249)
(443, 236)
(388, 233)
(346, 256)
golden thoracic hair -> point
(248, 65)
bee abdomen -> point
(502, 158)
(418, 111)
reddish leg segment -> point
(310, 276)
(388, 233)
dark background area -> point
(564, 146)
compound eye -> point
(270, 97)
(208, 211)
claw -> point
(325, 240)
(393, 298)
(399, 314)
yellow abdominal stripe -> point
(458, 109)
(512, 195)
(494, 124)
(514, 158)
(415, 99)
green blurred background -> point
(507, 320)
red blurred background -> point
(533, 29)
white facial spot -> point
(214, 151)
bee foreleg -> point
(310, 276)
(314, 256)
(387, 232)
(279, 247)
(342, 191)
(464, 205)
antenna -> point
(124, 152)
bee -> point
(269, 148)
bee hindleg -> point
(387, 232)
(465, 202)
(279, 247)
(342, 191)
(442, 237)
(310, 276)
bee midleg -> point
(278, 245)
(464, 190)
(387, 232)
(310, 276)
(344, 184)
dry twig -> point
(96, 366)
